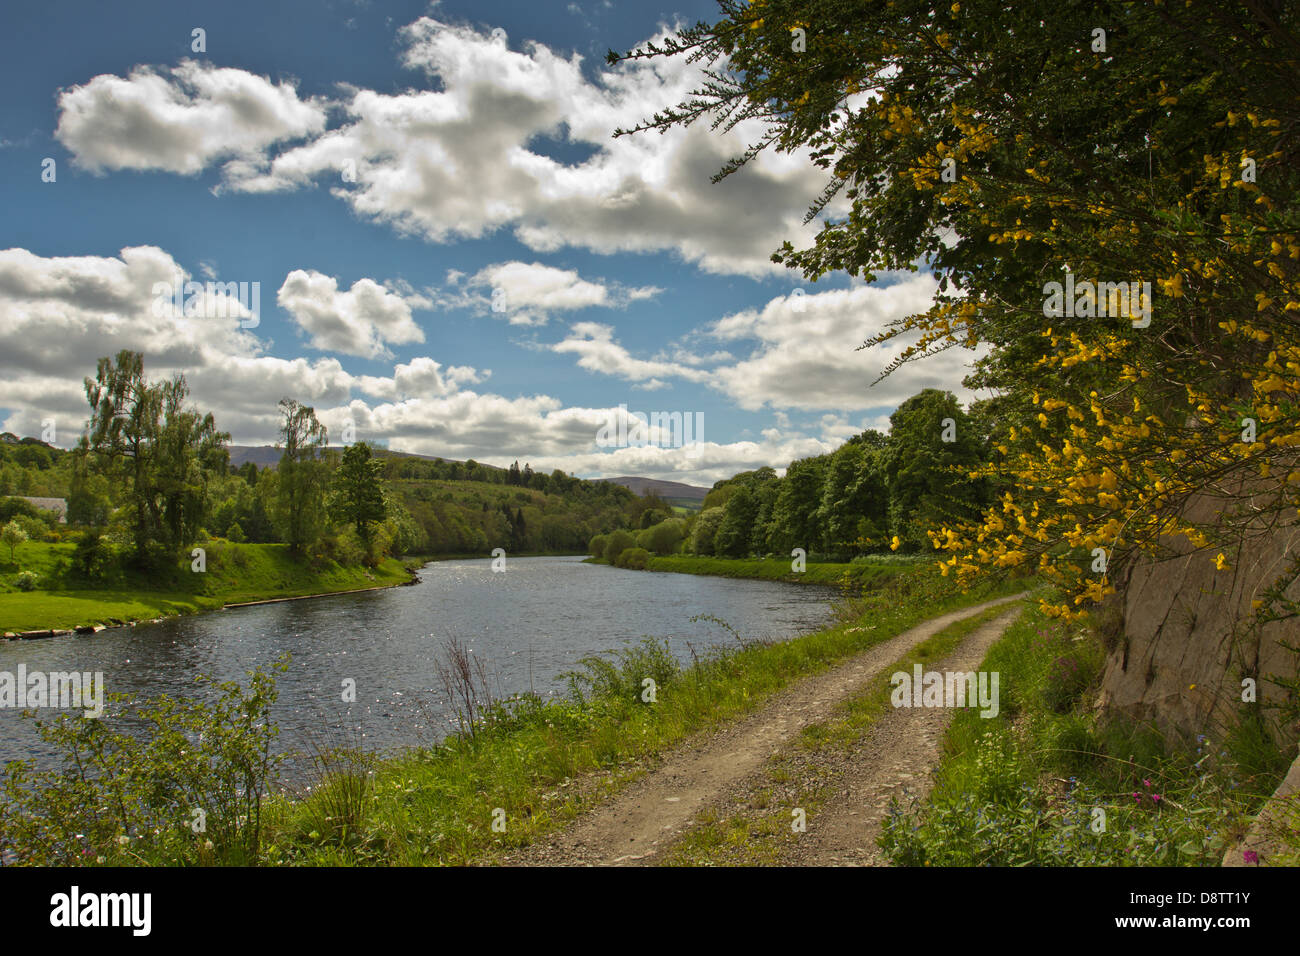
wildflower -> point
(1250, 856)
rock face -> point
(1185, 647)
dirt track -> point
(636, 826)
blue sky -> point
(454, 257)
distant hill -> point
(674, 492)
(664, 489)
(264, 455)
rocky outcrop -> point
(1182, 643)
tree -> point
(13, 535)
(795, 521)
(732, 538)
(160, 452)
(705, 530)
(1158, 148)
(932, 450)
(358, 497)
(618, 542)
(849, 495)
(302, 476)
(89, 502)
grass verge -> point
(1046, 784)
(860, 574)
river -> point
(529, 624)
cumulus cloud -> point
(597, 351)
(360, 321)
(468, 159)
(59, 315)
(530, 293)
(796, 352)
(180, 119)
(806, 353)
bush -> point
(123, 798)
(26, 581)
(92, 556)
(596, 548)
(636, 559)
(618, 542)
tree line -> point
(150, 477)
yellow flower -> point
(895, 544)
(1221, 562)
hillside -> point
(664, 489)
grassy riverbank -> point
(537, 765)
(235, 574)
(857, 575)
(527, 765)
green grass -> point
(841, 574)
(544, 763)
(236, 573)
(1046, 784)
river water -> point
(528, 625)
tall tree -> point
(1019, 148)
(933, 447)
(158, 452)
(358, 497)
(302, 478)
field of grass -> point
(235, 573)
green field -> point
(236, 573)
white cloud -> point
(466, 160)
(597, 351)
(809, 359)
(360, 321)
(529, 293)
(180, 119)
(526, 293)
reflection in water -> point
(529, 624)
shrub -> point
(596, 548)
(618, 542)
(636, 559)
(26, 581)
(125, 798)
(92, 555)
